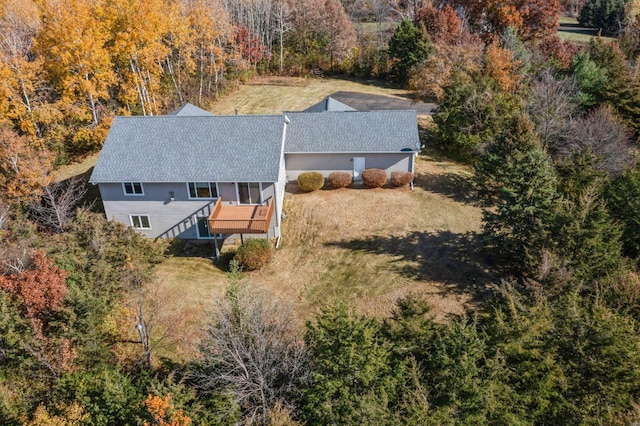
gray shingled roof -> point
(189, 110)
(374, 131)
(184, 149)
(329, 104)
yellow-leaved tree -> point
(21, 74)
(72, 44)
(136, 30)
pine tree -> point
(352, 381)
(587, 241)
(408, 47)
(518, 229)
(623, 202)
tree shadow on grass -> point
(455, 186)
(445, 257)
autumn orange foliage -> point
(39, 290)
(442, 25)
(23, 168)
(163, 413)
(500, 65)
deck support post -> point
(241, 239)
(215, 242)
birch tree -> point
(72, 45)
(137, 28)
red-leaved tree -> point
(39, 289)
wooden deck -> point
(240, 219)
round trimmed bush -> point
(401, 178)
(340, 179)
(374, 178)
(310, 181)
(254, 253)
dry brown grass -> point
(368, 247)
(291, 94)
(364, 246)
(76, 169)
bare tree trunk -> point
(58, 204)
(94, 113)
(27, 104)
(176, 85)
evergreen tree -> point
(622, 89)
(600, 354)
(623, 201)
(517, 230)
(590, 78)
(587, 240)
(518, 332)
(409, 47)
(472, 113)
(352, 380)
(606, 15)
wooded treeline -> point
(68, 66)
(550, 127)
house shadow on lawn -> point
(91, 199)
(444, 257)
(201, 248)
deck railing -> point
(239, 219)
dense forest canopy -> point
(550, 128)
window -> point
(140, 221)
(203, 190)
(133, 188)
(249, 193)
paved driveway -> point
(368, 102)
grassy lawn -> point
(364, 246)
(570, 30)
(277, 94)
(77, 169)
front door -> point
(202, 223)
(358, 167)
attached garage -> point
(354, 163)
(350, 141)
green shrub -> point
(310, 181)
(254, 253)
(374, 178)
(340, 179)
(401, 178)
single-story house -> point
(192, 174)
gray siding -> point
(168, 218)
(327, 163)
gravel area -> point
(368, 102)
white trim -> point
(131, 216)
(351, 152)
(203, 198)
(126, 194)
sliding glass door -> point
(249, 193)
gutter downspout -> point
(413, 167)
(279, 219)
